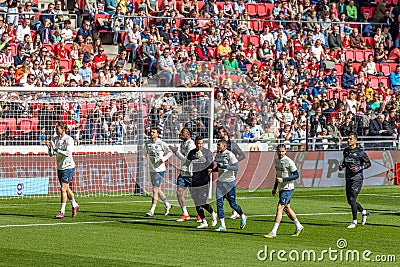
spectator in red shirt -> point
(61, 50)
(100, 59)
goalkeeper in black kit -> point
(355, 160)
(199, 161)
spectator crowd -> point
(282, 70)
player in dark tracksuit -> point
(355, 160)
(199, 162)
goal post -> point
(108, 125)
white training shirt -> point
(64, 147)
(185, 148)
(155, 151)
(284, 168)
(226, 158)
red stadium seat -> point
(3, 128)
(255, 40)
(67, 64)
(350, 55)
(199, 3)
(261, 10)
(359, 55)
(245, 39)
(385, 68)
(374, 82)
(256, 25)
(339, 69)
(369, 41)
(220, 5)
(251, 9)
(269, 7)
(384, 80)
(393, 66)
(356, 67)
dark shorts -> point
(353, 188)
(284, 197)
(65, 176)
(184, 181)
(156, 178)
(199, 194)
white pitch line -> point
(173, 219)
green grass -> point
(112, 231)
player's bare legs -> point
(156, 192)
(66, 193)
(279, 211)
(180, 192)
(290, 213)
(161, 194)
(181, 196)
(278, 218)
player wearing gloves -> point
(158, 153)
(185, 177)
(61, 146)
(355, 160)
(199, 161)
(227, 165)
(286, 174)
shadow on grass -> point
(19, 215)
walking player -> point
(199, 161)
(355, 160)
(286, 174)
(158, 153)
(62, 146)
(227, 165)
(184, 179)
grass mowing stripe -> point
(173, 219)
(393, 194)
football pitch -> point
(113, 231)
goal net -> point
(109, 127)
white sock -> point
(166, 202)
(297, 223)
(153, 207)
(184, 210)
(364, 212)
(355, 221)
(222, 220)
(243, 216)
(73, 202)
(275, 229)
(63, 205)
(205, 221)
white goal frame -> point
(92, 149)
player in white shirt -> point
(227, 166)
(61, 146)
(286, 174)
(185, 177)
(158, 153)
